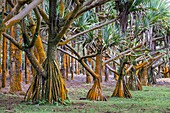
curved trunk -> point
(95, 93)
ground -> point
(155, 98)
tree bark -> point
(14, 66)
(4, 62)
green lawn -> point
(150, 100)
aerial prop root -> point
(51, 89)
(95, 93)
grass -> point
(151, 99)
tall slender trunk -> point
(18, 54)
(14, 67)
(98, 66)
(98, 69)
(88, 76)
(78, 67)
(151, 76)
(4, 62)
(63, 64)
(72, 64)
(1, 55)
(106, 72)
(20, 61)
(77, 71)
(27, 70)
(67, 65)
(72, 68)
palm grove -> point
(129, 38)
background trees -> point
(129, 38)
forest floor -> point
(155, 98)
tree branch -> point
(95, 4)
(22, 14)
(11, 3)
(86, 31)
(122, 53)
(15, 10)
(67, 25)
(44, 15)
(69, 47)
(9, 37)
(67, 53)
(89, 56)
(36, 30)
(111, 69)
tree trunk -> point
(67, 66)
(165, 71)
(4, 62)
(144, 77)
(121, 89)
(27, 70)
(95, 93)
(77, 71)
(1, 54)
(98, 66)
(88, 76)
(106, 72)
(51, 87)
(72, 68)
(20, 61)
(63, 64)
(15, 84)
(40, 49)
(134, 83)
(18, 54)
(116, 77)
(78, 65)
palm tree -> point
(48, 84)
